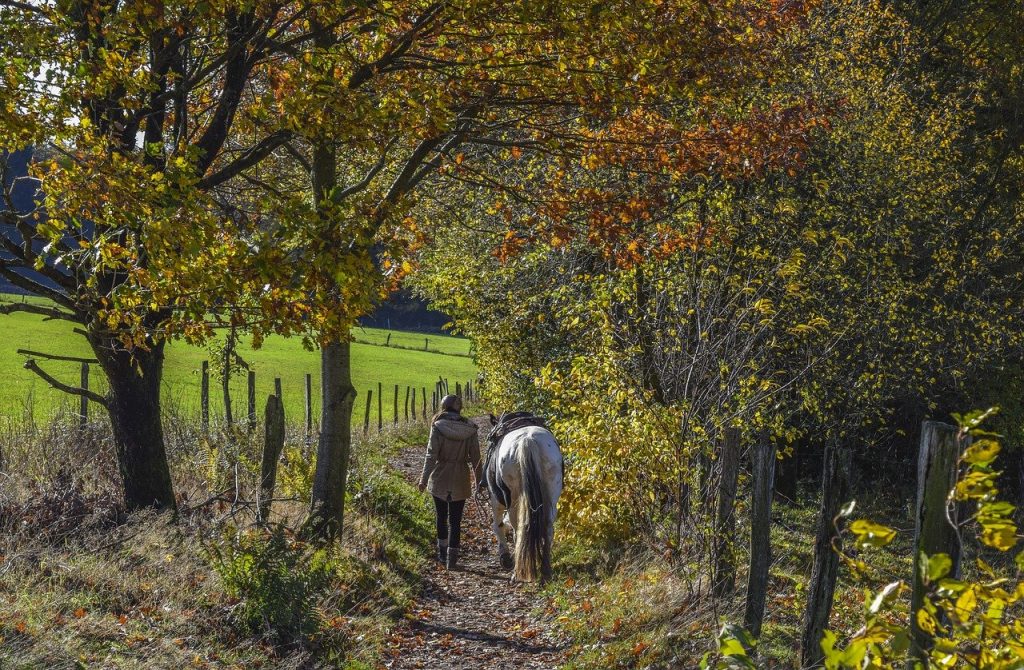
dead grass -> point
(82, 584)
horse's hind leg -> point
(498, 514)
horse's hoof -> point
(506, 562)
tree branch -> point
(55, 357)
(32, 366)
(36, 288)
(27, 6)
(373, 172)
(48, 312)
(250, 157)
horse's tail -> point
(533, 546)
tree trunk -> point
(133, 404)
(834, 493)
(327, 511)
(763, 470)
(725, 523)
(327, 508)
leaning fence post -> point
(309, 405)
(414, 404)
(396, 404)
(458, 389)
(762, 467)
(273, 444)
(380, 407)
(204, 395)
(424, 399)
(933, 534)
(251, 398)
(407, 404)
(366, 417)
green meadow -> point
(24, 396)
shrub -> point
(277, 580)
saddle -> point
(508, 422)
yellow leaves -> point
(981, 452)
(870, 534)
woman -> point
(452, 447)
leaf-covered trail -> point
(473, 618)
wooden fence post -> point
(388, 342)
(277, 389)
(424, 399)
(251, 399)
(835, 489)
(309, 405)
(204, 396)
(426, 343)
(396, 404)
(725, 523)
(763, 471)
(380, 407)
(458, 389)
(273, 444)
(414, 404)
(366, 418)
(83, 402)
(407, 404)
(933, 534)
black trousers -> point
(449, 520)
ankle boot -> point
(453, 558)
(442, 552)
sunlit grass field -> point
(24, 396)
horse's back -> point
(543, 446)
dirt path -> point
(472, 618)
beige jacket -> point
(452, 447)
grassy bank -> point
(405, 363)
(84, 585)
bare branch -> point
(32, 366)
(40, 310)
(35, 287)
(365, 181)
(55, 357)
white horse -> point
(524, 476)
